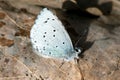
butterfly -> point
(50, 39)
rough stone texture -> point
(98, 32)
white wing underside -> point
(50, 38)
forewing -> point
(49, 36)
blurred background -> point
(93, 25)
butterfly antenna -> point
(80, 37)
(78, 40)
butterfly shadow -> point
(78, 28)
(81, 6)
(77, 20)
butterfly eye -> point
(77, 49)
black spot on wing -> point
(53, 19)
(45, 32)
(44, 48)
(45, 22)
(54, 30)
(49, 52)
(44, 40)
(53, 35)
(43, 36)
(48, 18)
(35, 41)
(63, 42)
(37, 48)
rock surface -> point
(98, 32)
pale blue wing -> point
(50, 38)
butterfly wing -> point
(49, 37)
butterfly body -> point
(50, 39)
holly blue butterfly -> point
(50, 39)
